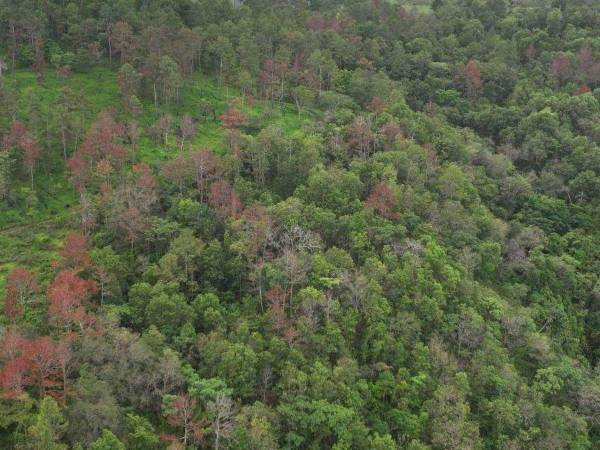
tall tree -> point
(48, 428)
(21, 286)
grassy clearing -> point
(32, 227)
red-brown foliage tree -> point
(137, 200)
(383, 201)
(473, 79)
(20, 138)
(78, 171)
(103, 140)
(75, 252)
(362, 138)
(584, 89)
(13, 377)
(42, 362)
(389, 132)
(178, 170)
(67, 294)
(161, 129)
(21, 285)
(133, 223)
(142, 195)
(233, 118)
(588, 70)
(276, 300)
(224, 199)
(255, 229)
(181, 414)
(122, 40)
(207, 167)
(185, 49)
(187, 129)
(376, 105)
(560, 69)
(31, 154)
(39, 61)
(47, 362)
(273, 78)
(15, 134)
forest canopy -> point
(269, 224)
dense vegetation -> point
(325, 224)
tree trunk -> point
(64, 143)
(13, 50)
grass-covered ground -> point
(33, 226)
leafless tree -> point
(222, 422)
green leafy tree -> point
(48, 428)
(107, 441)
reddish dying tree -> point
(161, 129)
(142, 194)
(133, 133)
(180, 413)
(15, 134)
(185, 49)
(383, 201)
(389, 132)
(362, 138)
(20, 138)
(273, 78)
(233, 140)
(75, 252)
(256, 231)
(103, 140)
(13, 377)
(531, 52)
(207, 167)
(47, 364)
(588, 70)
(473, 81)
(376, 105)
(233, 118)
(104, 169)
(86, 213)
(224, 199)
(187, 129)
(21, 286)
(560, 69)
(132, 223)
(316, 22)
(65, 72)
(41, 362)
(122, 40)
(39, 62)
(291, 335)
(129, 83)
(135, 203)
(78, 171)
(66, 296)
(584, 89)
(12, 343)
(276, 300)
(31, 155)
(178, 170)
